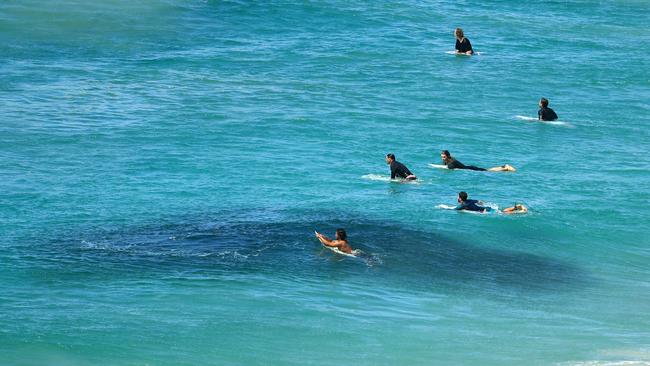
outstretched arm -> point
(325, 240)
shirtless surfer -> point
(341, 241)
(452, 163)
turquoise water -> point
(164, 165)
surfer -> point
(341, 241)
(462, 44)
(518, 208)
(545, 113)
(470, 205)
(398, 170)
(452, 163)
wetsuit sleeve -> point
(539, 114)
(468, 46)
(392, 171)
(457, 45)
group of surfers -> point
(399, 170)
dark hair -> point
(544, 102)
(446, 153)
(463, 196)
(340, 234)
(390, 156)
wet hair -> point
(544, 102)
(446, 153)
(463, 196)
(458, 32)
(341, 235)
(390, 156)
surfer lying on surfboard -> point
(341, 241)
(452, 163)
(465, 204)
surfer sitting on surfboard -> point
(341, 241)
(452, 163)
(470, 205)
(462, 44)
(398, 169)
(545, 113)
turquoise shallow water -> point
(164, 164)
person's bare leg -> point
(503, 168)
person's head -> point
(462, 196)
(543, 102)
(341, 235)
(458, 32)
(519, 207)
(390, 158)
(445, 155)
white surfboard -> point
(385, 178)
(535, 119)
(438, 166)
(338, 251)
(463, 54)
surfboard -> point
(535, 119)
(384, 178)
(476, 53)
(448, 207)
(438, 166)
(337, 251)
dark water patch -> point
(276, 245)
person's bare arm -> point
(325, 240)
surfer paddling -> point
(464, 203)
(398, 170)
(452, 163)
(341, 241)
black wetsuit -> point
(400, 170)
(463, 46)
(455, 164)
(546, 114)
(472, 205)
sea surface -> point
(164, 163)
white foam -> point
(379, 177)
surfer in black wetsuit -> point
(545, 113)
(452, 163)
(470, 205)
(398, 170)
(462, 44)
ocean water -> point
(164, 163)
